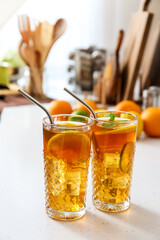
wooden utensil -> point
(134, 47)
(26, 48)
(42, 37)
(46, 33)
(36, 34)
(24, 28)
(28, 54)
(30, 57)
(111, 79)
(97, 88)
(35, 46)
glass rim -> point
(114, 111)
(86, 124)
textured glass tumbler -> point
(67, 145)
(114, 137)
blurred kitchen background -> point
(91, 24)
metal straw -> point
(37, 103)
(84, 103)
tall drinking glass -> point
(67, 145)
(114, 136)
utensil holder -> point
(35, 86)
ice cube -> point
(121, 181)
(57, 176)
(73, 181)
(111, 160)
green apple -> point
(12, 58)
(4, 77)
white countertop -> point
(22, 210)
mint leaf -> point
(111, 115)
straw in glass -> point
(26, 95)
(84, 103)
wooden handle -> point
(20, 50)
(119, 42)
(144, 5)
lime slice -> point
(126, 157)
(78, 119)
(81, 112)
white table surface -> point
(22, 210)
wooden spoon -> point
(36, 35)
(27, 54)
(45, 37)
(46, 33)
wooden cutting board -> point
(151, 57)
(133, 49)
(151, 68)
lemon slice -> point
(126, 157)
(70, 145)
(126, 129)
(111, 130)
(68, 124)
(63, 124)
(139, 124)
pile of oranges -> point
(148, 120)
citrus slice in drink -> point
(66, 124)
(126, 157)
(116, 127)
(124, 128)
(70, 146)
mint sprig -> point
(111, 118)
(111, 115)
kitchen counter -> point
(22, 206)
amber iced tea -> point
(66, 159)
(113, 153)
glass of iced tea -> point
(114, 136)
(67, 144)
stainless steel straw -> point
(37, 103)
(84, 103)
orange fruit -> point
(151, 121)
(60, 107)
(128, 105)
(91, 103)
